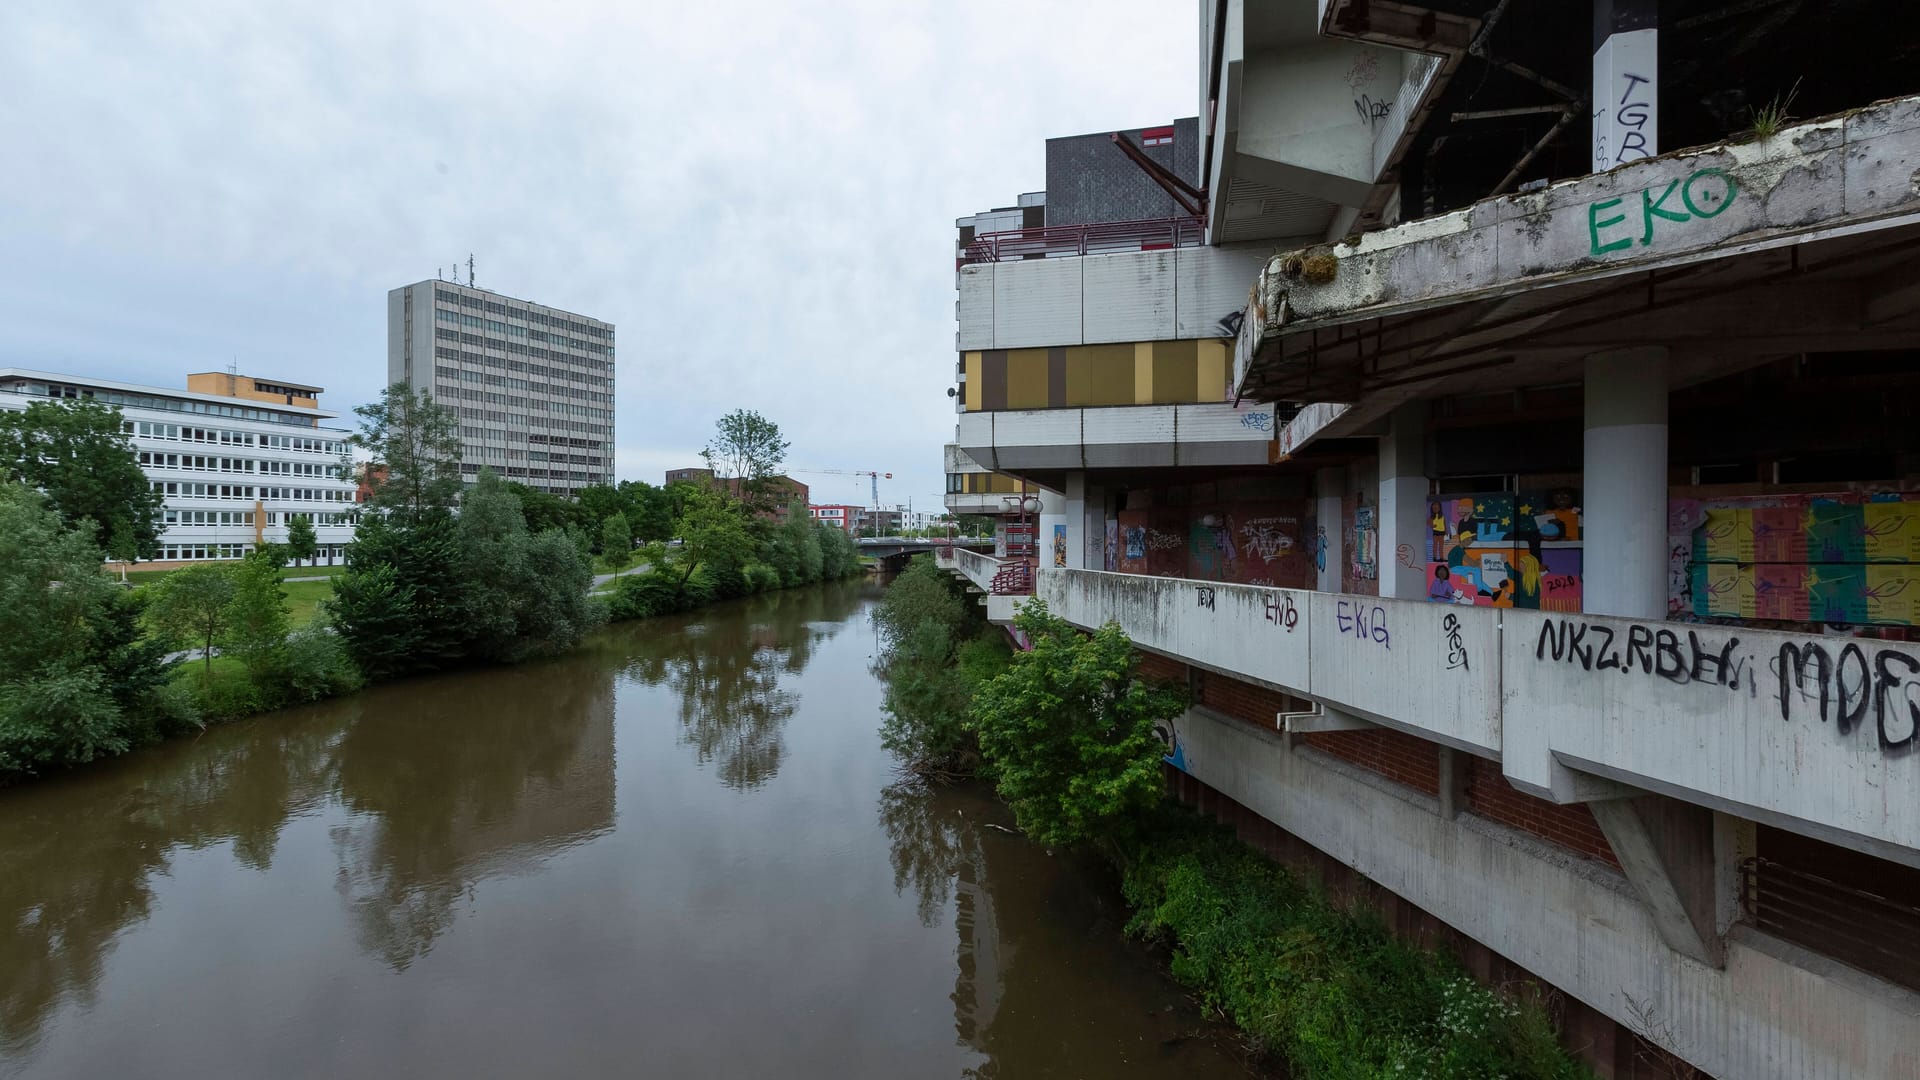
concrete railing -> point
(1814, 734)
(976, 567)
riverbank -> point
(1065, 732)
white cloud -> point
(760, 196)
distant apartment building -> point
(533, 385)
(236, 458)
(840, 516)
(689, 476)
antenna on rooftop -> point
(469, 268)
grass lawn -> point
(303, 599)
(194, 673)
(142, 577)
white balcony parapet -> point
(1815, 735)
(1119, 436)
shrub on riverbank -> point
(1068, 732)
(936, 651)
(79, 676)
(1327, 988)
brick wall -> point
(1399, 757)
(1491, 797)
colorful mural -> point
(1500, 549)
(1847, 558)
(1059, 544)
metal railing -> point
(1875, 933)
(1054, 241)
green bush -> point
(1328, 989)
(1067, 732)
(314, 665)
(762, 578)
(639, 596)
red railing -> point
(1097, 239)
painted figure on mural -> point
(1441, 587)
(1458, 555)
(1525, 575)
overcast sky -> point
(760, 196)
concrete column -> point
(1328, 485)
(1093, 538)
(1624, 520)
(1075, 514)
(1626, 81)
(1053, 512)
(1405, 534)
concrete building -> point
(689, 476)
(1544, 557)
(236, 458)
(533, 384)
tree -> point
(1068, 730)
(650, 510)
(544, 510)
(57, 705)
(616, 541)
(750, 448)
(77, 455)
(302, 543)
(256, 629)
(712, 533)
(192, 605)
(415, 445)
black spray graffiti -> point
(1456, 649)
(1838, 681)
(1205, 593)
(1597, 647)
(1890, 687)
(1281, 612)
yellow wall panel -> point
(1143, 373)
(1100, 375)
(973, 382)
(1027, 379)
(1175, 372)
(1213, 371)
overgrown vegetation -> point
(1066, 733)
(936, 652)
(1327, 988)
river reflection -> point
(656, 856)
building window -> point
(1159, 136)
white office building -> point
(236, 458)
(533, 385)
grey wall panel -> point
(1129, 297)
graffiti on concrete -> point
(1705, 193)
(1846, 687)
(1363, 622)
(1830, 681)
(1282, 613)
(1372, 111)
(1229, 324)
(1456, 648)
(1162, 541)
(1205, 594)
(1136, 542)
(1258, 421)
(1631, 116)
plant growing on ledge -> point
(1068, 732)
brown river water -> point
(679, 852)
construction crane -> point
(873, 478)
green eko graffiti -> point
(1655, 208)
